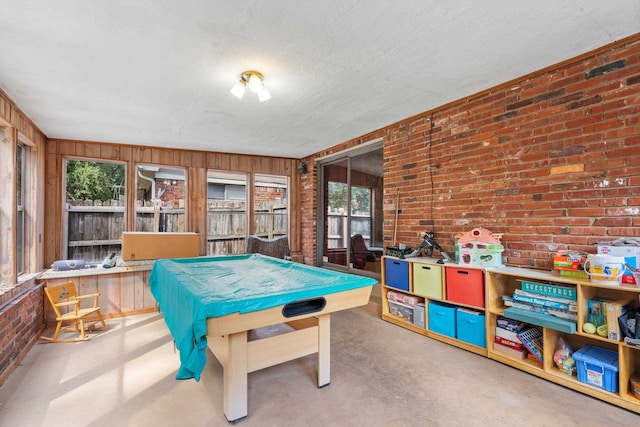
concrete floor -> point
(381, 375)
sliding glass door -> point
(350, 227)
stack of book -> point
(556, 300)
(507, 340)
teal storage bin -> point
(442, 318)
(396, 274)
(471, 327)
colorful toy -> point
(480, 248)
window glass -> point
(226, 213)
(271, 206)
(20, 226)
(94, 215)
(161, 194)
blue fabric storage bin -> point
(396, 274)
(470, 327)
(442, 319)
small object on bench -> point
(65, 296)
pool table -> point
(213, 302)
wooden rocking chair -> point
(65, 295)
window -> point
(20, 209)
(337, 214)
(94, 215)
(271, 205)
(161, 194)
(226, 213)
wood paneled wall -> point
(195, 162)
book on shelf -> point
(532, 340)
(550, 289)
(596, 312)
(541, 302)
(563, 314)
(517, 354)
(508, 343)
(507, 334)
(544, 297)
(509, 324)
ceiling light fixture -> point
(253, 80)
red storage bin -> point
(465, 286)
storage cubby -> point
(424, 278)
(453, 294)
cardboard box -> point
(631, 256)
(596, 312)
(516, 354)
(138, 246)
(614, 310)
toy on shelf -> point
(479, 247)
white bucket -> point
(605, 269)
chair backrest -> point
(277, 248)
(60, 293)
(358, 245)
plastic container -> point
(401, 310)
(605, 269)
(598, 367)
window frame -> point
(20, 233)
(147, 209)
(256, 182)
(64, 241)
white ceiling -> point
(158, 72)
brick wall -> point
(21, 322)
(552, 160)
(173, 193)
(268, 195)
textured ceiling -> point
(158, 72)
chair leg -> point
(57, 332)
(82, 334)
(104, 324)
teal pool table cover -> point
(190, 290)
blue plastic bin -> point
(598, 367)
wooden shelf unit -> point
(503, 281)
(415, 263)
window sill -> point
(9, 292)
(122, 267)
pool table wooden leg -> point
(235, 398)
(324, 349)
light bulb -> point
(238, 90)
(255, 83)
(264, 95)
